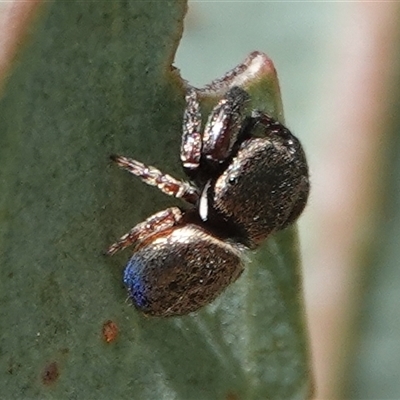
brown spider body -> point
(249, 179)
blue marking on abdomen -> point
(133, 280)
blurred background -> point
(338, 64)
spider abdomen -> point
(181, 271)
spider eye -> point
(232, 180)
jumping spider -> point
(248, 178)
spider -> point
(248, 178)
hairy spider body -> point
(263, 189)
(181, 271)
(250, 179)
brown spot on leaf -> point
(50, 373)
(13, 366)
(64, 350)
(232, 396)
(110, 331)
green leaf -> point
(94, 80)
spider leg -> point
(154, 177)
(157, 223)
(191, 136)
(256, 66)
(224, 125)
(271, 126)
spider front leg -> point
(220, 133)
(154, 177)
(156, 223)
(191, 136)
(224, 126)
(270, 127)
